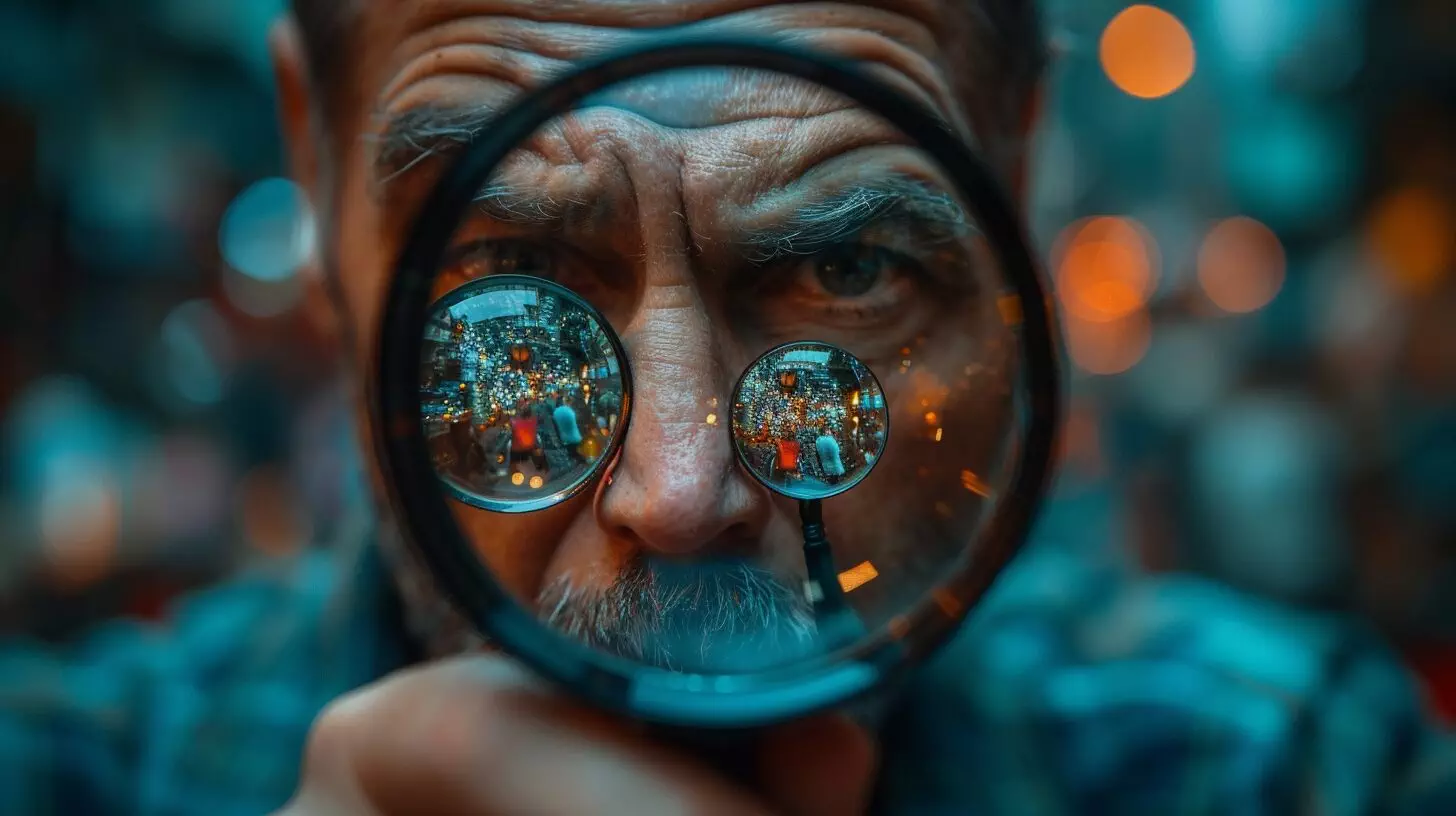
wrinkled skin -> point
(675, 187)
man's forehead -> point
(506, 46)
(446, 67)
(625, 13)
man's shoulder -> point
(211, 705)
(1168, 694)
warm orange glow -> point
(931, 418)
(712, 419)
(272, 523)
(948, 603)
(1109, 348)
(1241, 265)
(939, 432)
(1147, 52)
(973, 483)
(1413, 232)
(80, 527)
(518, 478)
(856, 577)
(1106, 268)
(536, 482)
(1010, 308)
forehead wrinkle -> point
(890, 40)
(408, 137)
(569, 41)
(799, 145)
(629, 13)
(515, 69)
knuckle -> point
(337, 732)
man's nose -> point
(677, 488)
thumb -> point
(823, 766)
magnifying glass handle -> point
(836, 621)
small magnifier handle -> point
(836, 621)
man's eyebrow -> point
(838, 218)
(513, 205)
(414, 135)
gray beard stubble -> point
(713, 616)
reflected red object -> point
(788, 454)
(523, 433)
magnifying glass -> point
(810, 422)
(638, 366)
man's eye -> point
(850, 271)
(505, 258)
(479, 259)
(863, 296)
(863, 278)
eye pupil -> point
(518, 259)
(850, 272)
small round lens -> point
(809, 420)
(523, 390)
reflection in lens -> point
(522, 391)
(809, 420)
(780, 305)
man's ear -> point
(302, 129)
(296, 98)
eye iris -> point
(523, 260)
(849, 272)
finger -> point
(477, 735)
(824, 766)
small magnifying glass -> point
(810, 422)
(525, 413)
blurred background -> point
(1248, 210)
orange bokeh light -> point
(1108, 348)
(1413, 232)
(1241, 265)
(1147, 52)
(1106, 268)
(856, 577)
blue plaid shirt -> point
(1073, 689)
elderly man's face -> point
(680, 228)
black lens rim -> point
(644, 692)
(472, 289)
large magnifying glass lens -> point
(722, 376)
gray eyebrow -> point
(514, 205)
(850, 211)
(418, 134)
(411, 137)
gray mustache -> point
(713, 616)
